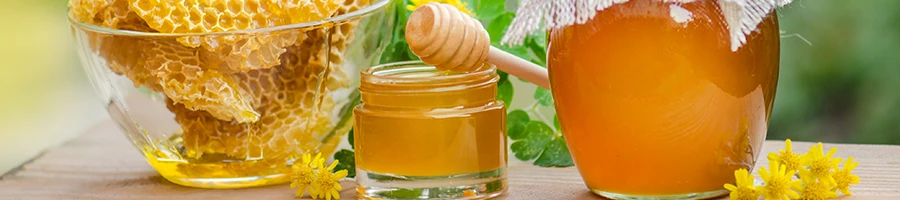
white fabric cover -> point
(742, 16)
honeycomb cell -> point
(176, 69)
(236, 53)
(310, 10)
(119, 16)
(292, 114)
(86, 10)
(205, 16)
(242, 53)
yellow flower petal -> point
(844, 177)
(778, 182)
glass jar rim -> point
(416, 85)
(381, 74)
(371, 8)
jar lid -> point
(742, 16)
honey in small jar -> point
(429, 133)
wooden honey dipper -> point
(444, 37)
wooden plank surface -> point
(102, 164)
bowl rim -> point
(371, 8)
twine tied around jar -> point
(742, 16)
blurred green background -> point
(844, 87)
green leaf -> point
(543, 96)
(503, 76)
(497, 27)
(505, 91)
(537, 45)
(404, 193)
(537, 136)
(350, 139)
(487, 10)
(397, 49)
(346, 161)
(555, 123)
(515, 124)
(555, 155)
(494, 186)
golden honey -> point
(653, 107)
(425, 130)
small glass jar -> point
(424, 133)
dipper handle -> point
(444, 37)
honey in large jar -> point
(653, 102)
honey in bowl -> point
(654, 103)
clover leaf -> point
(555, 155)
(347, 161)
(556, 123)
(504, 88)
(487, 10)
(535, 139)
(543, 96)
(515, 124)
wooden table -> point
(102, 164)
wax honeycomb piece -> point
(113, 14)
(119, 16)
(168, 67)
(86, 10)
(177, 71)
(241, 52)
(293, 116)
(205, 16)
(310, 10)
(289, 107)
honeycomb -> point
(242, 52)
(176, 69)
(85, 10)
(108, 13)
(286, 96)
(291, 104)
(239, 95)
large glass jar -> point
(234, 109)
(653, 102)
(425, 133)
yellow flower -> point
(816, 189)
(778, 183)
(461, 6)
(303, 174)
(819, 164)
(786, 157)
(326, 184)
(844, 178)
(744, 189)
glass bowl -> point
(234, 109)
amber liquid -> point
(429, 146)
(430, 133)
(654, 106)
